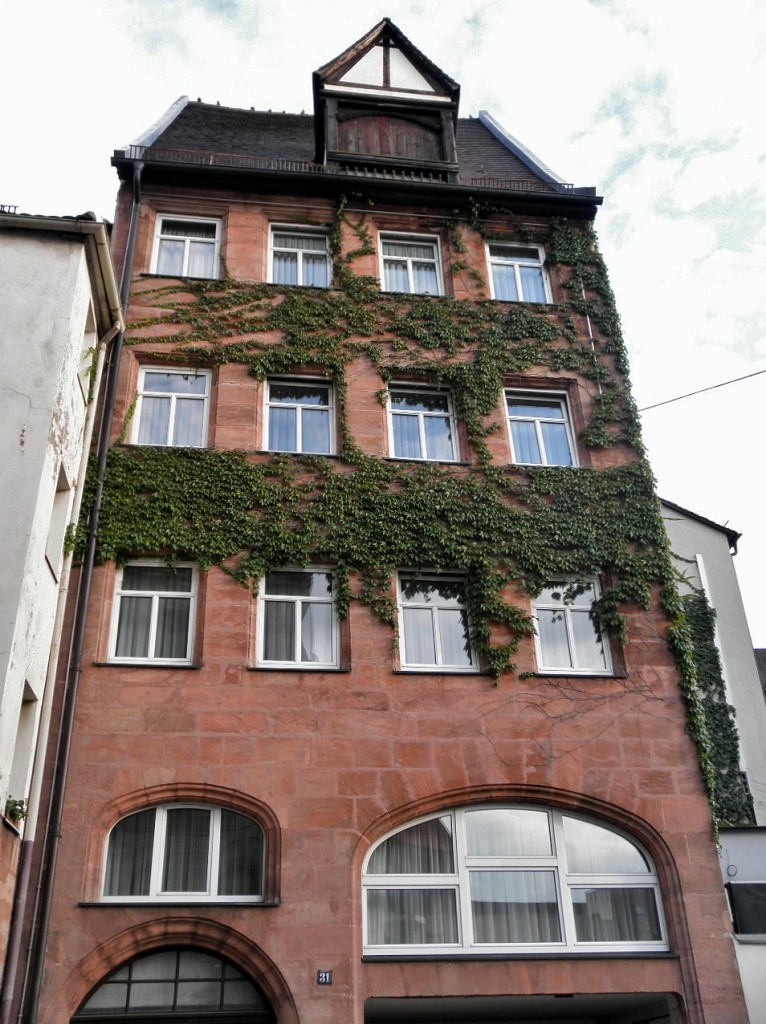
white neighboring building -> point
(59, 309)
(703, 553)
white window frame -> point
(155, 595)
(404, 237)
(296, 664)
(215, 242)
(174, 398)
(566, 420)
(566, 883)
(269, 405)
(416, 389)
(156, 893)
(517, 262)
(440, 665)
(567, 610)
(306, 232)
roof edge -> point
(732, 535)
(526, 156)
(100, 257)
(152, 133)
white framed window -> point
(540, 429)
(421, 424)
(488, 879)
(300, 416)
(153, 615)
(516, 273)
(177, 852)
(186, 247)
(434, 631)
(410, 263)
(567, 639)
(299, 256)
(172, 407)
(297, 623)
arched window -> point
(517, 879)
(179, 852)
(175, 985)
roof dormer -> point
(382, 104)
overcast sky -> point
(658, 103)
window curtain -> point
(554, 642)
(201, 260)
(453, 635)
(170, 257)
(129, 857)
(284, 267)
(616, 915)
(283, 435)
(315, 431)
(438, 438)
(187, 850)
(504, 283)
(589, 646)
(172, 639)
(189, 418)
(525, 445)
(514, 906)
(240, 871)
(556, 444)
(419, 640)
(315, 270)
(154, 420)
(424, 849)
(395, 276)
(133, 627)
(411, 916)
(532, 287)
(406, 436)
(279, 631)
(593, 850)
(508, 832)
(316, 633)
(425, 279)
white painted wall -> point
(703, 550)
(46, 327)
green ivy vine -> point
(733, 803)
(504, 527)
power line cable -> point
(701, 390)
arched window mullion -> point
(518, 889)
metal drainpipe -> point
(30, 992)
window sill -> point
(439, 670)
(564, 673)
(750, 940)
(329, 669)
(300, 455)
(427, 462)
(102, 904)
(176, 277)
(558, 954)
(149, 664)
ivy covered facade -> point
(387, 709)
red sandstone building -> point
(378, 718)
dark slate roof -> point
(482, 155)
(209, 128)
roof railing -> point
(201, 158)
